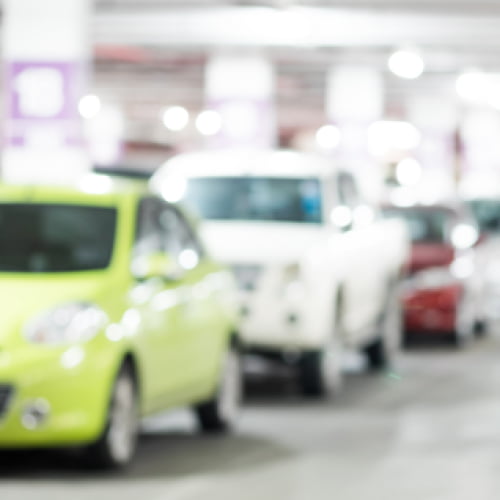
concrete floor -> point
(431, 431)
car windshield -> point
(487, 214)
(256, 198)
(37, 238)
(425, 225)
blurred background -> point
(162, 77)
(406, 93)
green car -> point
(111, 310)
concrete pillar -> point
(480, 130)
(437, 121)
(355, 100)
(240, 88)
(47, 53)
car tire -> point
(320, 371)
(116, 446)
(460, 339)
(219, 414)
(464, 331)
(481, 328)
(381, 353)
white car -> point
(318, 268)
(486, 210)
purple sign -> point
(42, 103)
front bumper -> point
(280, 324)
(74, 395)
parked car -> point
(486, 211)
(318, 269)
(112, 310)
(441, 294)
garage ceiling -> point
(151, 53)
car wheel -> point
(116, 446)
(463, 333)
(481, 328)
(320, 371)
(381, 353)
(221, 412)
(460, 338)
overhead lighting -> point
(209, 122)
(408, 172)
(89, 106)
(473, 86)
(478, 87)
(175, 118)
(328, 137)
(406, 64)
(386, 136)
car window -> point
(148, 235)
(277, 199)
(348, 193)
(425, 225)
(162, 228)
(36, 237)
(487, 214)
(180, 237)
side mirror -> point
(155, 265)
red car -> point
(439, 294)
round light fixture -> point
(406, 64)
(175, 118)
(385, 136)
(328, 137)
(89, 106)
(408, 172)
(472, 86)
(209, 122)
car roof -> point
(238, 163)
(89, 189)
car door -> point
(198, 342)
(159, 303)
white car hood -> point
(260, 242)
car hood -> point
(427, 255)
(23, 297)
(260, 242)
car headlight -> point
(68, 323)
(291, 284)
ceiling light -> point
(209, 122)
(175, 118)
(472, 86)
(408, 172)
(89, 106)
(328, 137)
(406, 64)
(386, 136)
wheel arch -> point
(131, 363)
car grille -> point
(6, 392)
(247, 275)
